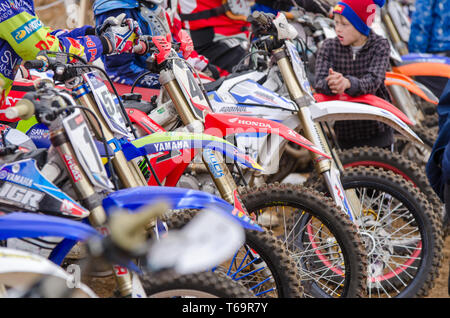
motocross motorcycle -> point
(415, 100)
(410, 96)
(312, 121)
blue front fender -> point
(20, 224)
(29, 225)
(177, 198)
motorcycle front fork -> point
(90, 199)
(329, 169)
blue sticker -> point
(213, 163)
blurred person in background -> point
(430, 33)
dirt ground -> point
(440, 290)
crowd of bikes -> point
(179, 192)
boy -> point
(355, 63)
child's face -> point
(346, 32)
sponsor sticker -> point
(21, 195)
(27, 29)
(213, 163)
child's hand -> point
(337, 82)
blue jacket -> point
(308, 5)
(438, 166)
(125, 68)
(430, 27)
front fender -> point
(423, 69)
(410, 85)
(23, 225)
(18, 224)
(340, 110)
(366, 99)
(177, 198)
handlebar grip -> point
(141, 48)
(34, 64)
(128, 230)
(23, 109)
(261, 18)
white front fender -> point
(341, 110)
(20, 270)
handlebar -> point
(262, 22)
(24, 109)
(58, 63)
(128, 231)
(34, 64)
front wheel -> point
(262, 264)
(322, 240)
(404, 234)
(199, 285)
(387, 160)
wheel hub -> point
(369, 242)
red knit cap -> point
(360, 13)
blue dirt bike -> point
(168, 263)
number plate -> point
(190, 88)
(108, 104)
(299, 68)
(86, 150)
